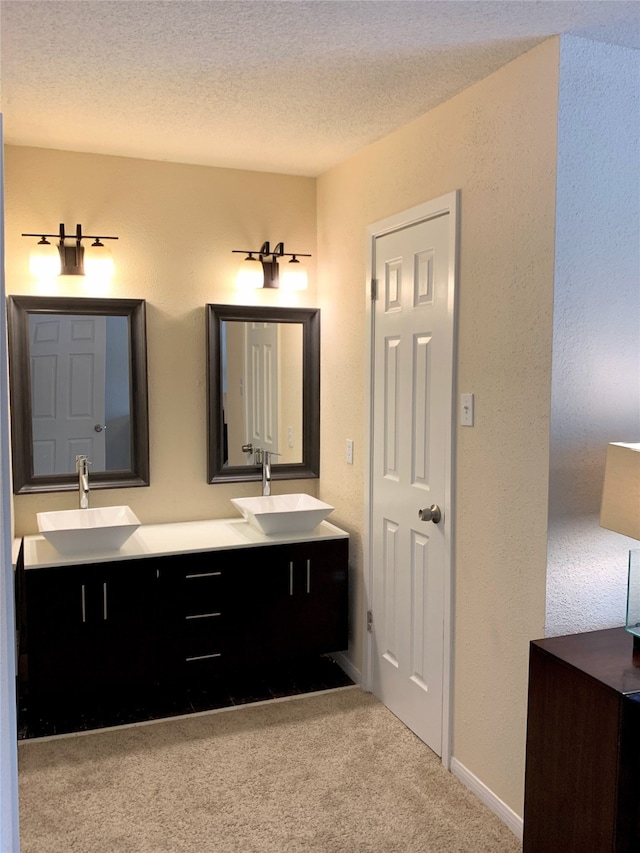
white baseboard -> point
(345, 664)
(486, 795)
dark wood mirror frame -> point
(309, 318)
(19, 308)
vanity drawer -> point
(204, 666)
(203, 591)
(197, 648)
(204, 634)
(204, 647)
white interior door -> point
(412, 354)
(68, 363)
(261, 385)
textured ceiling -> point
(293, 86)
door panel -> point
(412, 402)
(261, 399)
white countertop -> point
(176, 538)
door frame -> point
(445, 204)
(9, 822)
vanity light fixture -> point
(48, 260)
(263, 270)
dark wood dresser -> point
(582, 782)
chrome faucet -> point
(82, 467)
(263, 457)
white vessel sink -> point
(75, 531)
(283, 513)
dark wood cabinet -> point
(582, 783)
(181, 617)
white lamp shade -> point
(293, 276)
(250, 275)
(44, 261)
(620, 509)
(98, 264)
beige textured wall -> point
(496, 142)
(176, 226)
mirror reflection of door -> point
(261, 385)
(262, 390)
(80, 398)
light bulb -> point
(44, 261)
(293, 276)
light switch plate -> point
(466, 410)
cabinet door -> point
(124, 600)
(321, 596)
(60, 637)
(264, 580)
(295, 600)
(90, 628)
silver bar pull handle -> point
(291, 578)
(204, 575)
(203, 615)
(104, 601)
(308, 576)
(204, 657)
(84, 604)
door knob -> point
(99, 427)
(431, 513)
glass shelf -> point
(633, 595)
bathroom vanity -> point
(177, 602)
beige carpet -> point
(327, 773)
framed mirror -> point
(78, 381)
(263, 391)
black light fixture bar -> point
(269, 260)
(71, 257)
